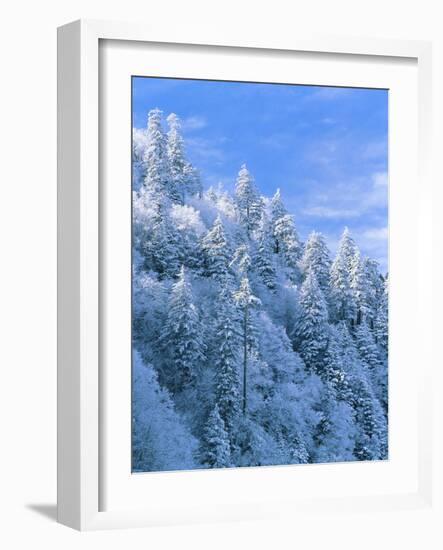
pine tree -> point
(316, 258)
(264, 263)
(335, 433)
(192, 180)
(227, 358)
(241, 260)
(154, 236)
(215, 450)
(367, 347)
(182, 336)
(247, 200)
(369, 353)
(334, 371)
(360, 287)
(381, 321)
(160, 440)
(371, 441)
(176, 157)
(342, 298)
(158, 179)
(216, 251)
(246, 301)
(311, 332)
(375, 288)
(278, 210)
(288, 244)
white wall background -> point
(28, 266)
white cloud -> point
(348, 199)
(194, 123)
(375, 150)
(204, 150)
(330, 212)
(376, 234)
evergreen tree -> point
(158, 177)
(192, 180)
(342, 298)
(160, 439)
(360, 287)
(216, 251)
(288, 244)
(154, 237)
(247, 200)
(242, 260)
(316, 258)
(227, 358)
(139, 143)
(311, 332)
(369, 353)
(246, 301)
(182, 336)
(176, 157)
(366, 346)
(371, 441)
(264, 263)
(215, 451)
(278, 210)
(375, 288)
(335, 433)
(381, 321)
(335, 371)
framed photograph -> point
(241, 281)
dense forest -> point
(250, 347)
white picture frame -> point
(82, 466)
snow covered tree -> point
(336, 432)
(371, 440)
(182, 336)
(160, 439)
(335, 370)
(316, 258)
(215, 450)
(139, 145)
(154, 237)
(158, 178)
(242, 260)
(381, 321)
(311, 332)
(176, 157)
(192, 180)
(375, 288)
(342, 297)
(246, 301)
(247, 200)
(278, 210)
(367, 347)
(226, 349)
(216, 251)
(187, 229)
(288, 244)
(360, 288)
(263, 260)
(369, 352)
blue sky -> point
(326, 148)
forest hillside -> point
(250, 347)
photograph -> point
(259, 274)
